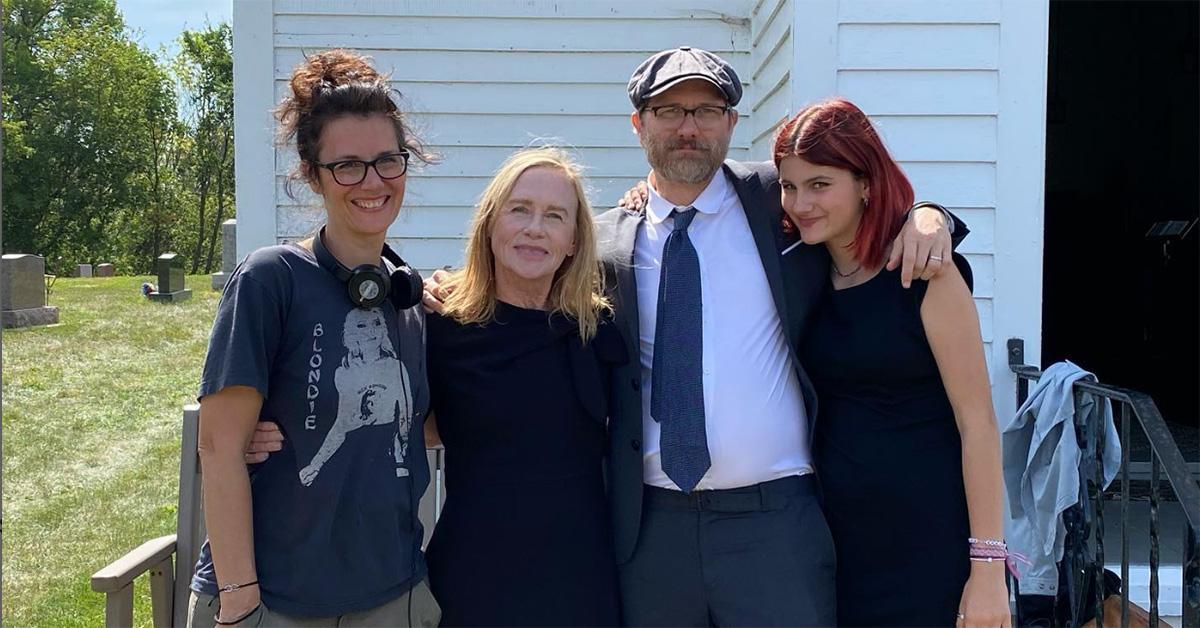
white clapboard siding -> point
(481, 33)
(956, 88)
(955, 184)
(530, 9)
(921, 11)
(932, 92)
(918, 46)
(769, 101)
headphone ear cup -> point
(407, 288)
(368, 286)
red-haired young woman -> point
(906, 443)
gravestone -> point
(228, 254)
(170, 280)
(23, 292)
(105, 270)
(83, 270)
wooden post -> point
(118, 608)
(162, 593)
(190, 526)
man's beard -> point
(694, 168)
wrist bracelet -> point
(230, 588)
(992, 542)
(217, 617)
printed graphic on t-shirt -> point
(373, 388)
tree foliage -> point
(110, 153)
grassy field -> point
(92, 411)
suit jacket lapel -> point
(627, 315)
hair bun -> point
(324, 71)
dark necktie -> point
(677, 375)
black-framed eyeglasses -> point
(353, 171)
(704, 114)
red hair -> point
(838, 134)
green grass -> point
(92, 412)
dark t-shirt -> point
(335, 512)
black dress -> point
(889, 457)
(524, 538)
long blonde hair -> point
(578, 289)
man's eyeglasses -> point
(353, 171)
(703, 115)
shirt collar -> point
(710, 201)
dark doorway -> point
(1122, 154)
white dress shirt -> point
(754, 410)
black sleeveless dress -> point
(889, 457)
(524, 538)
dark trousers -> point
(755, 556)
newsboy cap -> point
(668, 68)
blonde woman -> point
(518, 363)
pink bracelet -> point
(985, 554)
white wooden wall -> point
(483, 78)
(772, 67)
(957, 87)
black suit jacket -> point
(796, 279)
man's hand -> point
(436, 291)
(922, 247)
(266, 438)
(636, 199)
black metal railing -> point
(1084, 522)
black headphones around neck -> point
(369, 285)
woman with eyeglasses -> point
(321, 335)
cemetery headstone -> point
(105, 270)
(228, 254)
(23, 292)
(83, 270)
(170, 280)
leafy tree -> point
(83, 104)
(204, 68)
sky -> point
(161, 21)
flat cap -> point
(668, 68)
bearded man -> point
(715, 503)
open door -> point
(1121, 289)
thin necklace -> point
(847, 275)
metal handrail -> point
(1088, 516)
(1147, 414)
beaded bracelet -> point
(991, 542)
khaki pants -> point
(415, 609)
